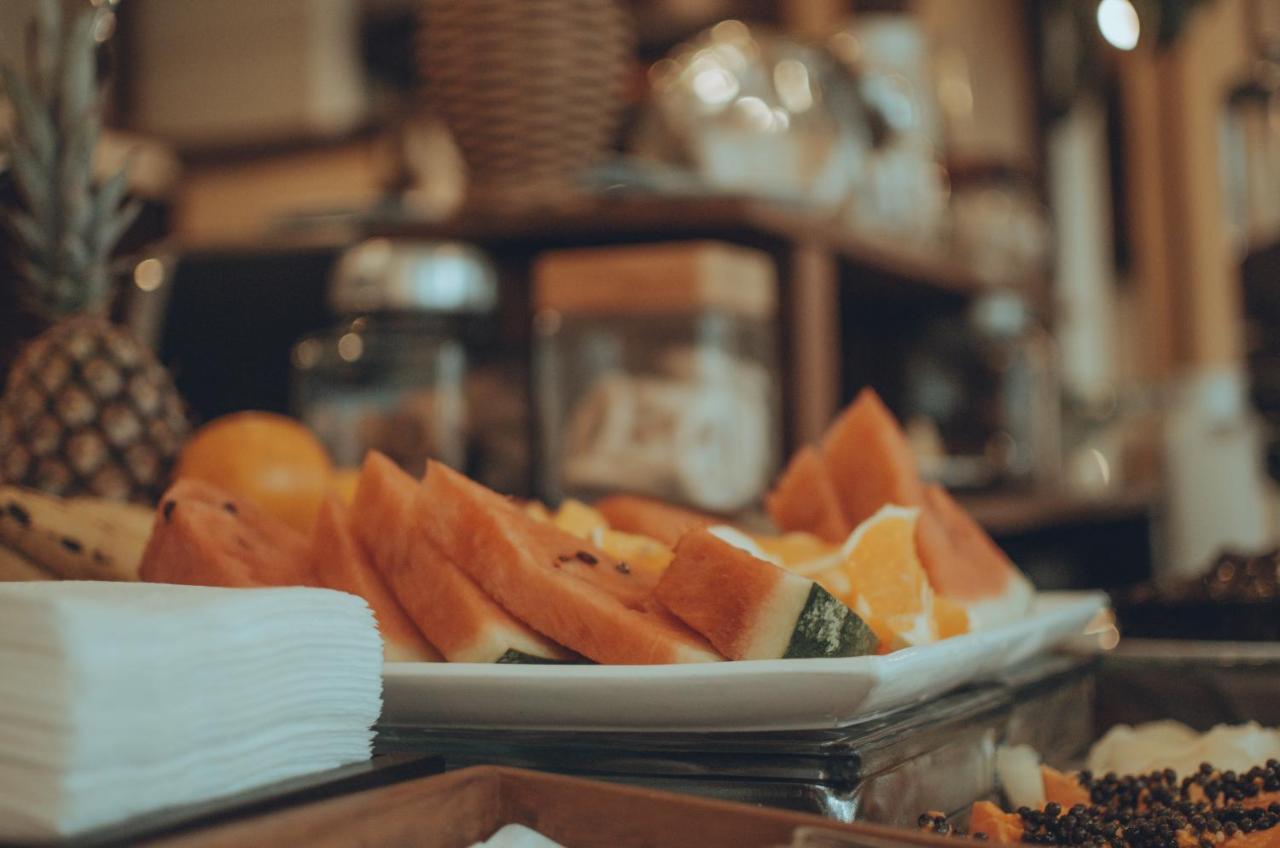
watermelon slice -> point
(869, 460)
(340, 562)
(647, 517)
(964, 564)
(750, 609)
(805, 499)
(548, 578)
(204, 536)
(453, 613)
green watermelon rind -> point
(828, 628)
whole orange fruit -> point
(269, 459)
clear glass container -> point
(392, 375)
(671, 396)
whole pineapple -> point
(87, 409)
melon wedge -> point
(204, 536)
(454, 614)
(750, 609)
(805, 499)
(648, 517)
(869, 460)
(540, 574)
(964, 564)
(340, 562)
(997, 825)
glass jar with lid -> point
(655, 373)
(392, 374)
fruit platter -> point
(874, 589)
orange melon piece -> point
(1062, 788)
(965, 565)
(869, 460)
(998, 825)
(881, 578)
(457, 617)
(540, 574)
(204, 536)
(750, 609)
(805, 499)
(648, 517)
(340, 562)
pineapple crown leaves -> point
(68, 226)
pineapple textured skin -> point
(88, 410)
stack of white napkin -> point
(117, 699)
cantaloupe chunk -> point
(750, 609)
(648, 517)
(536, 571)
(869, 460)
(805, 499)
(203, 536)
(340, 562)
(965, 565)
(949, 617)
(455, 615)
(999, 826)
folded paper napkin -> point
(117, 699)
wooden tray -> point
(458, 809)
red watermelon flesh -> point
(805, 499)
(454, 614)
(869, 460)
(537, 573)
(204, 536)
(341, 562)
(961, 559)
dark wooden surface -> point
(460, 808)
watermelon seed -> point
(231, 508)
(623, 568)
(563, 558)
(71, 544)
(20, 515)
(167, 510)
(586, 558)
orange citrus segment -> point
(881, 579)
(951, 618)
(343, 483)
(797, 551)
(578, 519)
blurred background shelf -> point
(1017, 512)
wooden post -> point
(1193, 79)
(1148, 212)
(813, 360)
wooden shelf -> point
(1013, 513)
(771, 226)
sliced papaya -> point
(998, 826)
(446, 605)
(648, 517)
(751, 609)
(805, 499)
(1062, 788)
(538, 573)
(341, 562)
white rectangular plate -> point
(752, 695)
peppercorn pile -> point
(1157, 810)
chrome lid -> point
(382, 275)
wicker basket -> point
(532, 89)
